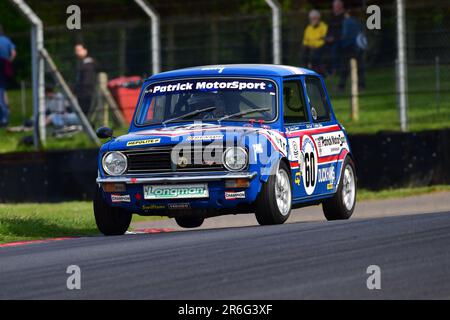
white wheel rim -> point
(283, 192)
(348, 188)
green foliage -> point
(260, 6)
(10, 19)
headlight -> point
(114, 163)
(235, 158)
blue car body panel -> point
(314, 151)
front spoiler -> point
(176, 177)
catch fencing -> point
(118, 36)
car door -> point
(296, 119)
(322, 143)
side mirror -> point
(104, 132)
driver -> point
(204, 100)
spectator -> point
(7, 55)
(58, 112)
(334, 35)
(314, 41)
(352, 47)
(86, 78)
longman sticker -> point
(142, 142)
(176, 191)
(234, 195)
(120, 198)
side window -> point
(317, 99)
(293, 102)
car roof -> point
(235, 70)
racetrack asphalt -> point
(298, 260)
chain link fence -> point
(193, 33)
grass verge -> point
(399, 193)
(31, 221)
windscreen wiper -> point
(189, 114)
(243, 113)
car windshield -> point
(211, 99)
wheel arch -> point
(275, 166)
(350, 156)
(287, 163)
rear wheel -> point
(342, 205)
(111, 221)
(273, 205)
(189, 222)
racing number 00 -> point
(310, 165)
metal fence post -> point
(23, 100)
(156, 34)
(38, 76)
(276, 30)
(402, 89)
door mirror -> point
(104, 133)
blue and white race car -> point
(229, 139)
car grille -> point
(159, 159)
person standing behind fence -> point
(334, 36)
(353, 44)
(314, 41)
(7, 55)
(86, 78)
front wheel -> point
(273, 205)
(342, 204)
(111, 221)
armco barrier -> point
(384, 160)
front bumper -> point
(216, 186)
(178, 177)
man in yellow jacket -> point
(314, 41)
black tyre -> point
(110, 221)
(342, 204)
(273, 205)
(189, 222)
